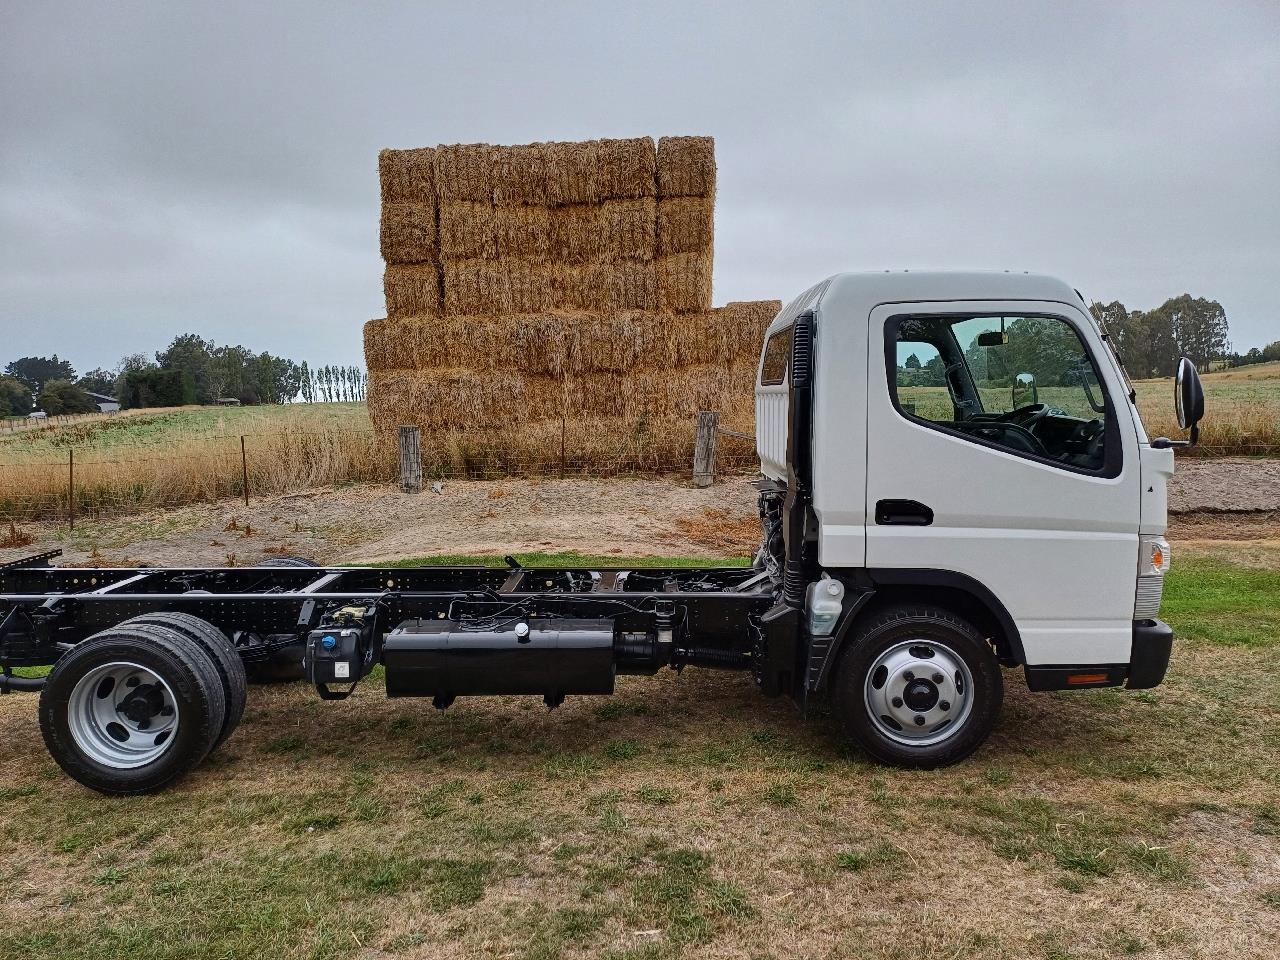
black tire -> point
(183, 665)
(224, 655)
(275, 662)
(898, 639)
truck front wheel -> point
(918, 687)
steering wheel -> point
(1027, 416)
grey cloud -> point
(172, 167)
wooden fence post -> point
(244, 470)
(704, 450)
(410, 460)
(71, 488)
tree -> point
(99, 381)
(35, 372)
(153, 387)
(308, 388)
(193, 355)
(1201, 329)
(15, 398)
(60, 397)
(912, 363)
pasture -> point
(686, 817)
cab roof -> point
(871, 288)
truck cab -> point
(962, 453)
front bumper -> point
(1148, 661)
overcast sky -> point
(173, 167)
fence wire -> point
(61, 479)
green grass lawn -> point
(684, 817)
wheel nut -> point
(945, 705)
(908, 675)
(896, 701)
(937, 678)
(919, 720)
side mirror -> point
(1188, 401)
(1025, 383)
(1188, 397)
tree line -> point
(1150, 342)
(191, 370)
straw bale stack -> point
(552, 293)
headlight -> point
(1153, 564)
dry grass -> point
(188, 465)
(723, 530)
(685, 817)
(1242, 413)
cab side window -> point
(1023, 384)
(777, 353)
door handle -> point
(903, 513)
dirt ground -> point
(1212, 500)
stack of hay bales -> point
(556, 296)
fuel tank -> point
(552, 658)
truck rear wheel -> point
(221, 651)
(132, 709)
(918, 687)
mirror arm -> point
(1164, 443)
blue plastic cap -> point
(328, 642)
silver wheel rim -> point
(918, 692)
(122, 715)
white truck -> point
(954, 479)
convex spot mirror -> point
(1024, 387)
(1188, 395)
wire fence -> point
(69, 480)
(72, 475)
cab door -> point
(1000, 448)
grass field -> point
(186, 455)
(685, 817)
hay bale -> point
(446, 397)
(573, 174)
(557, 343)
(412, 289)
(577, 233)
(520, 174)
(511, 285)
(523, 231)
(577, 286)
(467, 230)
(629, 285)
(687, 167)
(627, 169)
(629, 228)
(684, 282)
(464, 172)
(686, 225)
(407, 232)
(407, 176)
(433, 399)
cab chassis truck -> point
(954, 479)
